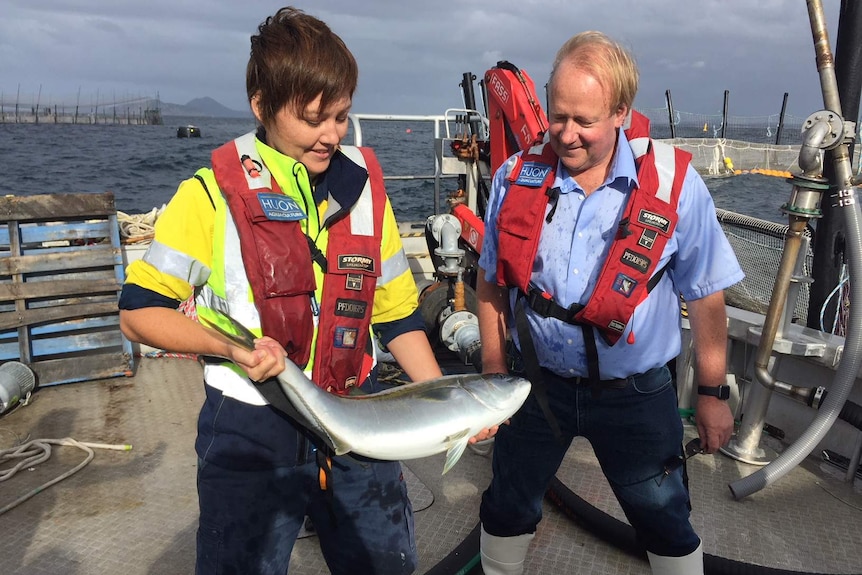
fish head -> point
(499, 392)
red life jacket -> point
(648, 221)
(278, 262)
(344, 356)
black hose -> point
(463, 560)
(852, 414)
(595, 520)
(622, 535)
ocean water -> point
(142, 165)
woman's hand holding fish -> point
(267, 359)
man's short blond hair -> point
(606, 60)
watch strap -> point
(719, 391)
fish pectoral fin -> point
(458, 443)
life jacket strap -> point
(592, 359)
(543, 304)
(532, 368)
(317, 255)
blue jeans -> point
(249, 520)
(634, 431)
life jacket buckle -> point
(543, 304)
(572, 312)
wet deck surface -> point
(135, 512)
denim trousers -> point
(634, 429)
(250, 519)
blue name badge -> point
(532, 174)
(280, 208)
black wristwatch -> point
(719, 391)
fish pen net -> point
(721, 156)
(763, 129)
(758, 245)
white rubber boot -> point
(504, 555)
(691, 564)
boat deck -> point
(135, 512)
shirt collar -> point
(343, 180)
(622, 177)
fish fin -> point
(459, 444)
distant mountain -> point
(202, 107)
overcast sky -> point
(412, 54)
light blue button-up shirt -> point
(576, 242)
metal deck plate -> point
(135, 512)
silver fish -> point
(406, 422)
(410, 421)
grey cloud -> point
(412, 54)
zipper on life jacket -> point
(317, 256)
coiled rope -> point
(38, 451)
(138, 227)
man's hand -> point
(485, 434)
(714, 422)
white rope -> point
(138, 227)
(38, 451)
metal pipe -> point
(796, 282)
(485, 96)
(781, 120)
(848, 61)
(470, 102)
(792, 243)
(854, 460)
(805, 197)
(803, 394)
(446, 230)
(547, 98)
(809, 152)
(745, 445)
(851, 359)
(823, 56)
(670, 114)
(724, 113)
